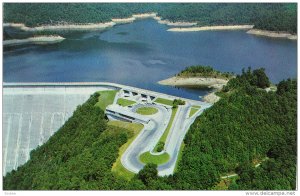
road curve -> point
(150, 135)
(147, 138)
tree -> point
(260, 79)
(160, 146)
(148, 173)
(177, 102)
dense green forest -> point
(247, 126)
(203, 71)
(270, 16)
(279, 20)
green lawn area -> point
(117, 167)
(164, 136)
(146, 110)
(125, 102)
(196, 106)
(164, 101)
(179, 156)
(156, 159)
(106, 98)
(193, 111)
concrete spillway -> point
(32, 113)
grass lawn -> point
(117, 167)
(164, 101)
(196, 106)
(125, 102)
(146, 110)
(193, 111)
(179, 156)
(156, 159)
(106, 98)
(165, 135)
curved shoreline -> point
(34, 40)
(97, 26)
(212, 28)
(179, 26)
(216, 83)
(273, 34)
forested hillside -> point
(279, 20)
(277, 17)
(247, 126)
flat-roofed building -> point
(116, 112)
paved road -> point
(147, 139)
(180, 126)
(150, 135)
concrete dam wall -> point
(33, 112)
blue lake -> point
(144, 52)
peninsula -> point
(272, 34)
(34, 40)
(200, 77)
(212, 28)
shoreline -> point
(34, 40)
(154, 16)
(212, 28)
(215, 83)
(211, 98)
(272, 34)
(179, 26)
(97, 26)
(91, 26)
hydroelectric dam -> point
(33, 112)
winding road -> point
(148, 137)
(152, 132)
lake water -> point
(141, 53)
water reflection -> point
(143, 52)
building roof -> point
(126, 111)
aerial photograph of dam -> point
(149, 96)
